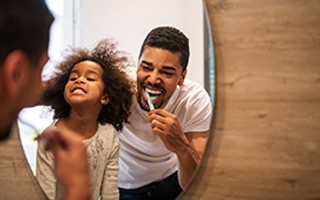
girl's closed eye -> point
(73, 77)
(91, 79)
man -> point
(24, 38)
(161, 148)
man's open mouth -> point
(154, 94)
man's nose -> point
(154, 78)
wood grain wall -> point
(265, 142)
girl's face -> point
(85, 86)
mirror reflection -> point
(144, 158)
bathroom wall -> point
(130, 24)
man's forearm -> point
(188, 163)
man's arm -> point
(190, 159)
(188, 147)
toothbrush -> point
(48, 139)
(37, 133)
(151, 106)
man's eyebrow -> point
(146, 63)
(165, 67)
(169, 68)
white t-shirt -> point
(143, 156)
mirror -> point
(83, 23)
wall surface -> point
(265, 140)
(130, 24)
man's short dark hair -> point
(171, 39)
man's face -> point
(159, 72)
(28, 86)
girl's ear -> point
(104, 100)
(15, 72)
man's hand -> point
(167, 127)
(188, 147)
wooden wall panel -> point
(265, 141)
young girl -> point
(91, 95)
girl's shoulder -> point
(106, 137)
(107, 131)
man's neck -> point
(7, 118)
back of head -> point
(171, 39)
(24, 25)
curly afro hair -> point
(118, 85)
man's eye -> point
(146, 68)
(167, 73)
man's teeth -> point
(153, 92)
(153, 97)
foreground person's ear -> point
(14, 72)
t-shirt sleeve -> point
(198, 111)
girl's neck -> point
(84, 126)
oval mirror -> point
(83, 23)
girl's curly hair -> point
(118, 86)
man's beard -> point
(139, 100)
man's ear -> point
(15, 71)
(183, 76)
(104, 100)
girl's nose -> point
(80, 79)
